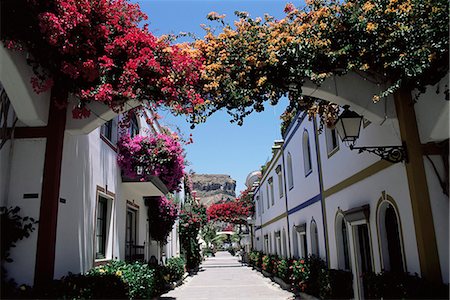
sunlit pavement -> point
(223, 277)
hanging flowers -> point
(96, 50)
(161, 156)
(162, 214)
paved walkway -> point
(223, 277)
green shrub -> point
(300, 272)
(402, 285)
(176, 268)
(283, 270)
(336, 284)
(269, 263)
(95, 286)
(255, 259)
(143, 281)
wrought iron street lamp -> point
(348, 126)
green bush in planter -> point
(255, 258)
(143, 281)
(176, 268)
(77, 286)
(390, 285)
(283, 270)
(336, 284)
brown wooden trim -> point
(433, 148)
(51, 180)
(101, 189)
(132, 204)
(108, 142)
(418, 187)
(27, 132)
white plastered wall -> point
(27, 163)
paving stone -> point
(223, 277)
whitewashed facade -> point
(354, 210)
(100, 215)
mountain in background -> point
(212, 188)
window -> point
(109, 131)
(130, 234)
(363, 243)
(342, 243)
(272, 197)
(257, 206)
(266, 244)
(314, 239)
(102, 226)
(278, 243)
(262, 202)
(303, 245)
(389, 231)
(289, 171)
(332, 141)
(134, 126)
(300, 230)
(280, 181)
(268, 197)
(306, 154)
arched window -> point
(314, 238)
(306, 153)
(342, 243)
(391, 244)
(289, 171)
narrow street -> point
(223, 277)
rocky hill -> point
(211, 188)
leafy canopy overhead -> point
(96, 50)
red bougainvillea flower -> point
(97, 51)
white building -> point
(98, 215)
(357, 212)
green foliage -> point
(269, 263)
(336, 284)
(142, 280)
(392, 285)
(13, 229)
(176, 268)
(77, 286)
(283, 269)
(190, 223)
(392, 43)
(255, 258)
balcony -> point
(151, 187)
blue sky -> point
(220, 147)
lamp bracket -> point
(393, 154)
